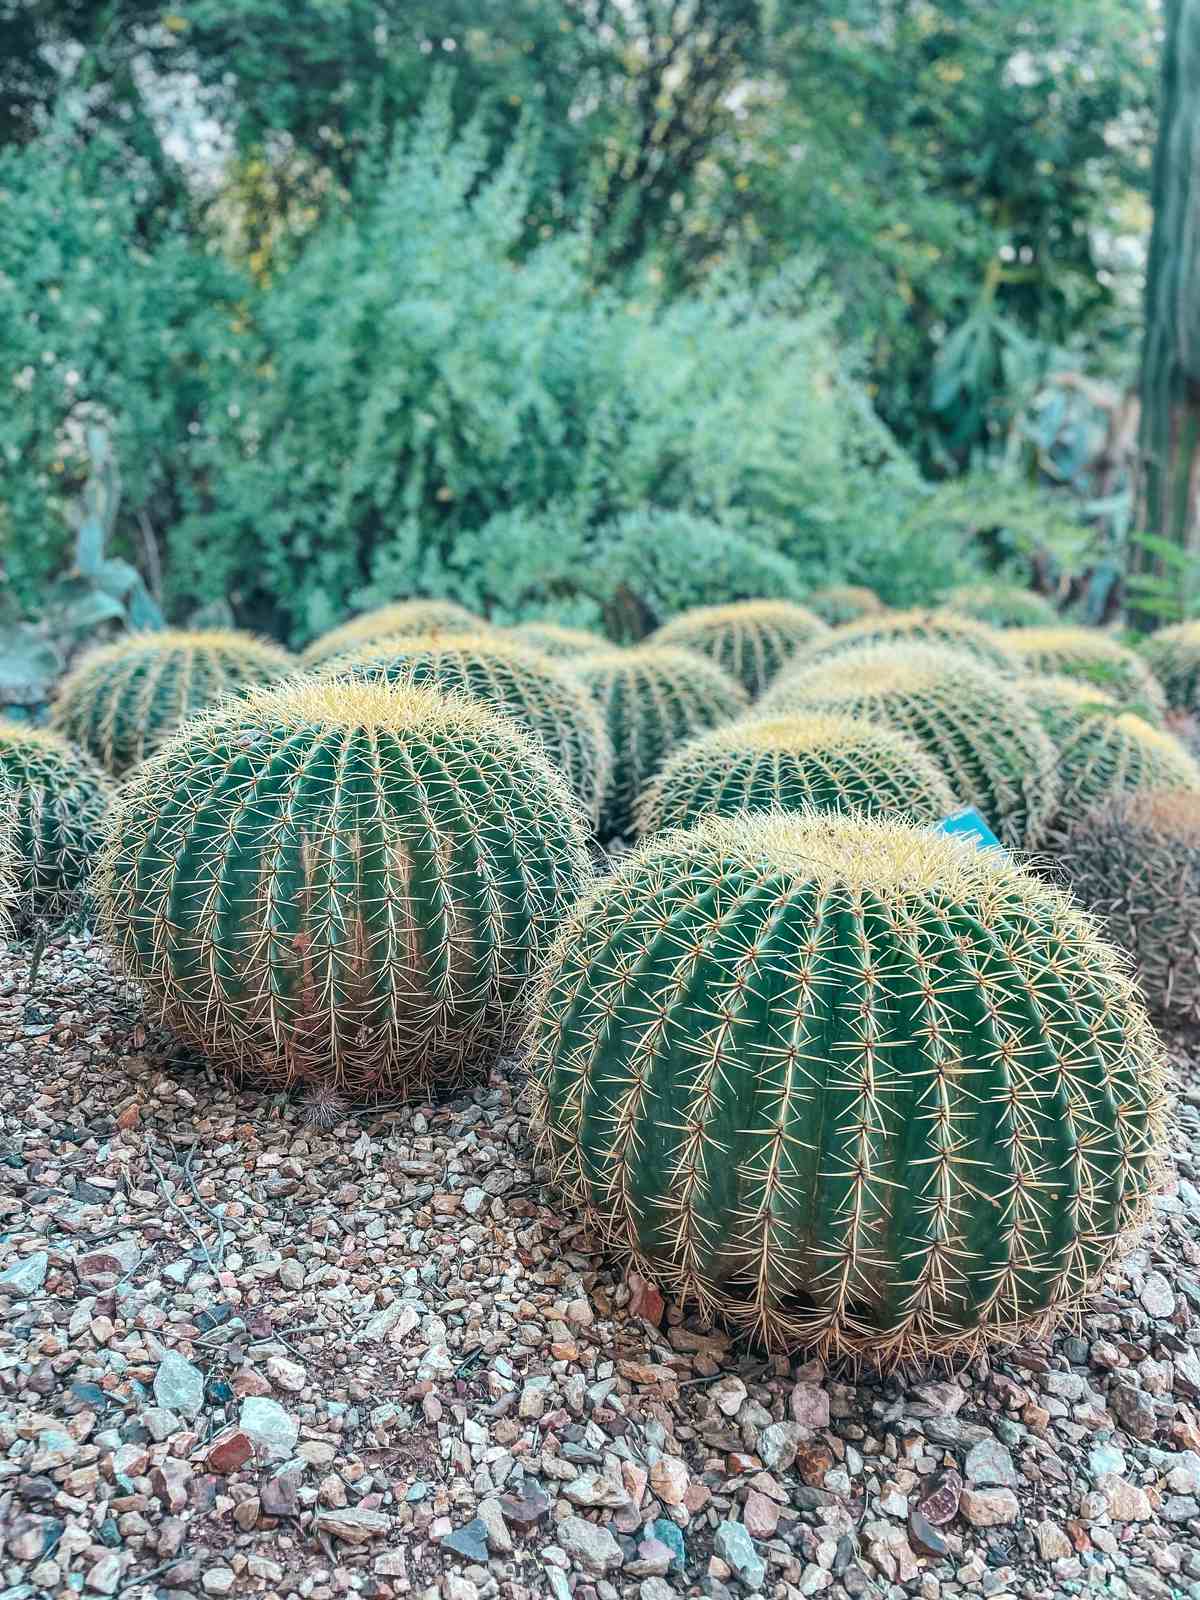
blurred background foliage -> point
(597, 308)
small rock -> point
(777, 1445)
(667, 1533)
(285, 1374)
(229, 1450)
(26, 1276)
(809, 1406)
(990, 1464)
(279, 1495)
(939, 1497)
(669, 1479)
(1052, 1542)
(356, 1527)
(644, 1299)
(105, 1574)
(988, 1508)
(499, 1540)
(760, 1515)
(924, 1537)
(735, 1546)
(273, 1431)
(471, 1540)
(1126, 1502)
(1104, 1459)
(530, 1506)
(178, 1385)
(590, 1546)
(219, 1580)
(1156, 1295)
(729, 1395)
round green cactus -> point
(393, 622)
(751, 640)
(57, 798)
(1103, 751)
(985, 645)
(1002, 605)
(545, 697)
(851, 1085)
(1135, 863)
(832, 763)
(1096, 658)
(8, 859)
(844, 602)
(977, 728)
(652, 699)
(566, 644)
(344, 883)
(1173, 655)
(125, 699)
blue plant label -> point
(967, 823)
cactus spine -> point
(844, 602)
(125, 699)
(978, 729)
(1173, 655)
(1093, 657)
(342, 883)
(851, 1085)
(1135, 863)
(652, 699)
(1002, 605)
(406, 617)
(751, 640)
(986, 645)
(1103, 751)
(517, 680)
(566, 644)
(832, 763)
(57, 800)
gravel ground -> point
(243, 1355)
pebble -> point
(356, 1526)
(735, 1547)
(1156, 1295)
(989, 1508)
(179, 1385)
(272, 1429)
(471, 1540)
(25, 1276)
(591, 1547)
(990, 1464)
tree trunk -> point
(1168, 486)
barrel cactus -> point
(1135, 863)
(544, 696)
(57, 798)
(123, 700)
(985, 645)
(1173, 655)
(390, 622)
(1002, 605)
(1096, 658)
(848, 1084)
(8, 859)
(751, 640)
(834, 763)
(1103, 751)
(552, 639)
(342, 883)
(844, 602)
(977, 727)
(652, 698)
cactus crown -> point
(391, 622)
(751, 640)
(342, 882)
(124, 699)
(852, 1085)
(833, 762)
(1002, 605)
(976, 727)
(844, 602)
(927, 627)
(1173, 655)
(510, 677)
(1095, 658)
(1135, 863)
(555, 640)
(57, 798)
(1104, 751)
(652, 699)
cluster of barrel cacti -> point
(813, 1065)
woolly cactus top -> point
(1095, 658)
(751, 640)
(404, 617)
(922, 627)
